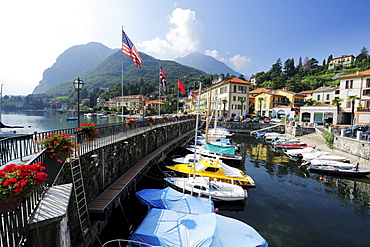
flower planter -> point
(9, 205)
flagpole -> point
(122, 86)
(159, 92)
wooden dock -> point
(101, 206)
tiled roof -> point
(357, 74)
(234, 79)
(259, 90)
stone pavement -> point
(316, 139)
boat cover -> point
(171, 199)
(230, 150)
(168, 228)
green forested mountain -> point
(136, 81)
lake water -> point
(39, 121)
(288, 207)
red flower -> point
(9, 181)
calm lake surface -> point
(288, 207)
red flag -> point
(180, 86)
(129, 49)
(162, 76)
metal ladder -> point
(79, 191)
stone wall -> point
(353, 146)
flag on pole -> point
(180, 86)
(162, 76)
(189, 92)
(129, 49)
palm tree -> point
(337, 103)
(241, 110)
(260, 99)
(224, 101)
(352, 99)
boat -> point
(320, 156)
(334, 170)
(330, 163)
(273, 136)
(188, 159)
(170, 199)
(72, 118)
(291, 144)
(88, 114)
(208, 188)
(209, 150)
(215, 169)
(163, 227)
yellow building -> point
(265, 101)
(295, 99)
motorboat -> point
(208, 188)
(72, 118)
(188, 159)
(163, 227)
(291, 144)
(209, 150)
(330, 163)
(88, 114)
(358, 172)
(215, 169)
(271, 137)
(321, 156)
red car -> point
(266, 120)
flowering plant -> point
(20, 181)
(130, 122)
(151, 120)
(165, 118)
(89, 130)
(60, 145)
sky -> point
(247, 35)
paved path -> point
(318, 140)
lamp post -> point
(78, 84)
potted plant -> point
(151, 120)
(89, 130)
(177, 118)
(61, 146)
(165, 118)
(17, 182)
(130, 122)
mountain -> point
(71, 63)
(206, 63)
(109, 73)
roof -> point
(260, 90)
(291, 92)
(306, 92)
(325, 89)
(343, 56)
(357, 74)
(237, 80)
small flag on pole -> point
(129, 49)
(180, 86)
(189, 92)
(162, 76)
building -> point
(321, 113)
(326, 94)
(133, 103)
(345, 61)
(356, 84)
(295, 99)
(265, 101)
(229, 98)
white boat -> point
(204, 187)
(188, 159)
(271, 137)
(341, 170)
(330, 163)
(215, 155)
(88, 114)
(321, 156)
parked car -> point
(266, 120)
(229, 119)
(275, 120)
(237, 119)
(255, 120)
(356, 128)
(319, 122)
(247, 120)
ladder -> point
(79, 191)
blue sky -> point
(247, 35)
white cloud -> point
(184, 37)
(214, 54)
(240, 62)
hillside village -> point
(347, 103)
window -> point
(337, 91)
(366, 92)
(349, 84)
(367, 82)
(327, 96)
(234, 98)
(234, 88)
(318, 97)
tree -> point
(260, 99)
(242, 100)
(276, 68)
(289, 68)
(352, 99)
(224, 101)
(337, 103)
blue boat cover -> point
(171, 199)
(168, 228)
(230, 150)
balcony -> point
(363, 109)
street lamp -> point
(78, 84)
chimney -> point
(357, 73)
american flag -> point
(162, 76)
(129, 49)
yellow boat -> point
(215, 169)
